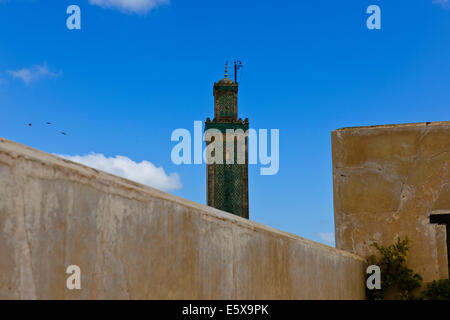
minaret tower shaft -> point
(227, 182)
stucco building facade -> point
(388, 180)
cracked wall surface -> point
(387, 181)
(136, 242)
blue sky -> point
(132, 75)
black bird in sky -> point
(49, 123)
(62, 132)
(29, 124)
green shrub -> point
(437, 290)
(396, 279)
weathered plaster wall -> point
(135, 242)
(387, 181)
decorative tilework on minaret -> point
(227, 184)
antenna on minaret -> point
(237, 65)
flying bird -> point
(49, 123)
(62, 132)
(29, 124)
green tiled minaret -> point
(227, 184)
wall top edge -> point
(394, 126)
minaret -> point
(227, 183)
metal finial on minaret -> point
(226, 69)
(237, 65)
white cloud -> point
(327, 237)
(442, 3)
(34, 73)
(130, 6)
(144, 172)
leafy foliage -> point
(438, 290)
(396, 279)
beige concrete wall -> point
(135, 242)
(387, 181)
